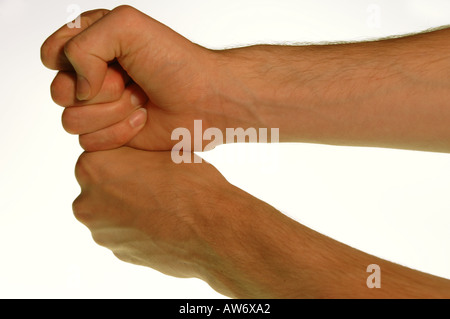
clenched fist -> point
(184, 220)
(126, 79)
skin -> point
(125, 91)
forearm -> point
(389, 93)
(269, 255)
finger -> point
(116, 135)
(52, 50)
(91, 118)
(63, 87)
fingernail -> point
(83, 88)
(138, 118)
(138, 99)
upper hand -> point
(126, 79)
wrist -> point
(287, 87)
(257, 252)
(237, 88)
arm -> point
(186, 220)
(390, 93)
(294, 261)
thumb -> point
(89, 53)
(118, 35)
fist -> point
(126, 79)
(152, 212)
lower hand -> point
(184, 220)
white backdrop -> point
(390, 203)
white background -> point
(390, 203)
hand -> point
(129, 80)
(184, 220)
(301, 90)
(140, 203)
(152, 212)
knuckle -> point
(100, 239)
(125, 10)
(81, 210)
(55, 92)
(71, 48)
(122, 256)
(45, 53)
(116, 88)
(48, 52)
(112, 138)
(80, 171)
(128, 14)
(90, 143)
(62, 88)
(70, 120)
(85, 169)
(84, 143)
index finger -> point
(52, 50)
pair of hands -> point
(126, 82)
